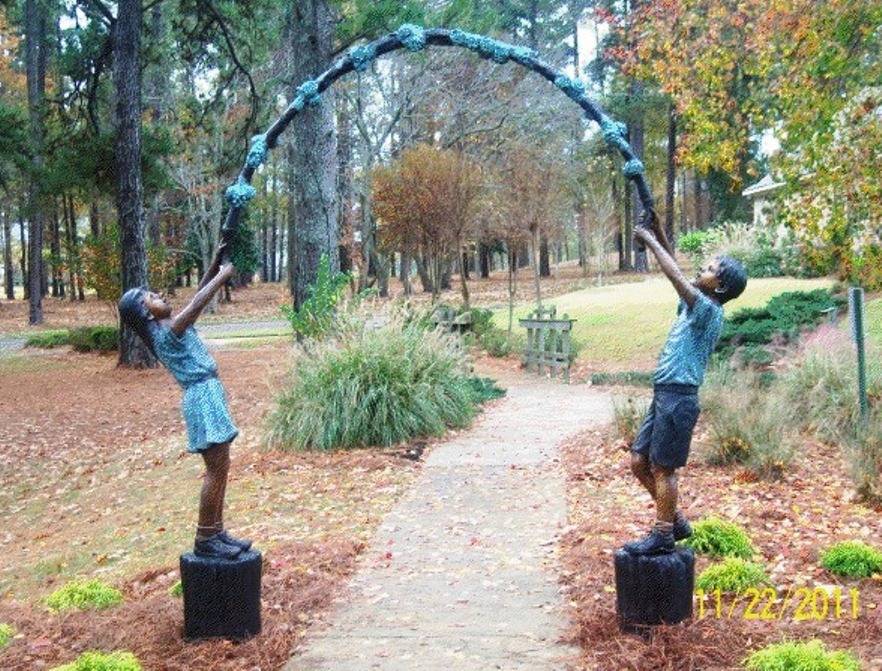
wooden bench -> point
(549, 342)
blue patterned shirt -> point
(690, 343)
(185, 356)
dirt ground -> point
(95, 482)
(789, 521)
(261, 302)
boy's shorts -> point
(666, 433)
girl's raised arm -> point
(188, 316)
(214, 267)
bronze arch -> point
(416, 38)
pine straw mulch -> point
(789, 521)
(298, 583)
(94, 482)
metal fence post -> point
(856, 310)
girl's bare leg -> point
(214, 485)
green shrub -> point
(718, 538)
(852, 559)
(315, 318)
(95, 339)
(6, 634)
(85, 339)
(747, 423)
(482, 320)
(806, 656)
(101, 661)
(500, 343)
(484, 389)
(177, 590)
(732, 575)
(628, 415)
(84, 595)
(634, 378)
(375, 386)
(49, 339)
(784, 316)
(693, 245)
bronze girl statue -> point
(210, 429)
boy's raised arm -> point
(188, 316)
(668, 265)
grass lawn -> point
(874, 320)
(624, 326)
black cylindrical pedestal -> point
(221, 597)
(654, 589)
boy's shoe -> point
(242, 543)
(655, 543)
(682, 528)
(216, 548)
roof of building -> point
(763, 186)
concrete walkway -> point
(462, 574)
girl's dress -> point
(204, 403)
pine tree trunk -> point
(8, 270)
(536, 273)
(55, 252)
(71, 244)
(275, 253)
(544, 260)
(671, 176)
(25, 280)
(423, 272)
(484, 260)
(314, 151)
(699, 214)
(640, 260)
(129, 195)
(684, 199)
(35, 65)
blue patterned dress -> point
(204, 404)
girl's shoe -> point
(682, 529)
(242, 544)
(216, 548)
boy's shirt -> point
(690, 343)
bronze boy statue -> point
(210, 429)
(662, 444)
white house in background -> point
(760, 194)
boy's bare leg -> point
(643, 472)
(214, 484)
(666, 493)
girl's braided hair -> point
(136, 316)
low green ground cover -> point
(625, 324)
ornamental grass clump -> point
(628, 414)
(732, 575)
(715, 537)
(820, 387)
(6, 634)
(101, 661)
(801, 656)
(374, 386)
(84, 595)
(852, 559)
(747, 424)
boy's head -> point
(724, 278)
(140, 308)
